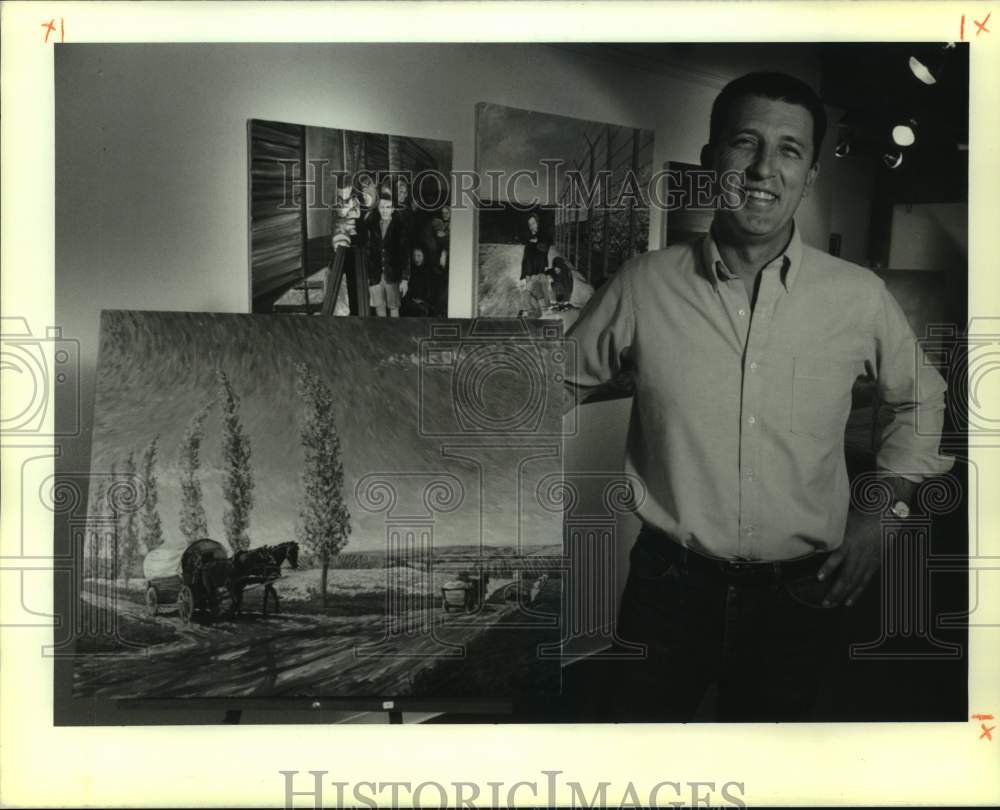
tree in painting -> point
(324, 524)
(193, 523)
(237, 484)
(152, 528)
(129, 546)
(97, 553)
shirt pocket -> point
(821, 394)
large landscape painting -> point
(295, 506)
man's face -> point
(533, 225)
(402, 192)
(446, 214)
(346, 212)
(418, 257)
(771, 142)
(385, 210)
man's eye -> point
(792, 151)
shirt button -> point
(752, 420)
(749, 475)
(743, 313)
(753, 366)
(748, 530)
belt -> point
(733, 570)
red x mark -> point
(981, 26)
(986, 732)
(50, 28)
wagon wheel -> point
(185, 604)
(445, 605)
(470, 603)
(270, 597)
(152, 601)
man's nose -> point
(763, 163)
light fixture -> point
(892, 158)
(929, 70)
(845, 138)
(905, 133)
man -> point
(387, 260)
(533, 284)
(561, 279)
(417, 303)
(743, 349)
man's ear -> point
(707, 156)
(810, 178)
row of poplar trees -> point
(323, 526)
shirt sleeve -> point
(601, 338)
(914, 390)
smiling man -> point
(743, 349)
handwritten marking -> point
(961, 29)
(50, 28)
(986, 729)
(981, 26)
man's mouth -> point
(761, 195)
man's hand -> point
(522, 284)
(404, 285)
(345, 218)
(851, 567)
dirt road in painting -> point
(288, 654)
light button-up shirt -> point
(738, 422)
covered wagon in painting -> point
(175, 577)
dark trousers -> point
(757, 631)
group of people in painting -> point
(542, 286)
(405, 249)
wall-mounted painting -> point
(348, 223)
(289, 507)
(684, 219)
(563, 204)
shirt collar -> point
(715, 268)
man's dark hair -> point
(776, 86)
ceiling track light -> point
(845, 137)
(905, 132)
(892, 158)
(930, 69)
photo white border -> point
(901, 763)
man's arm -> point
(601, 338)
(908, 453)
(914, 390)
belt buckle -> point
(750, 571)
(740, 567)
